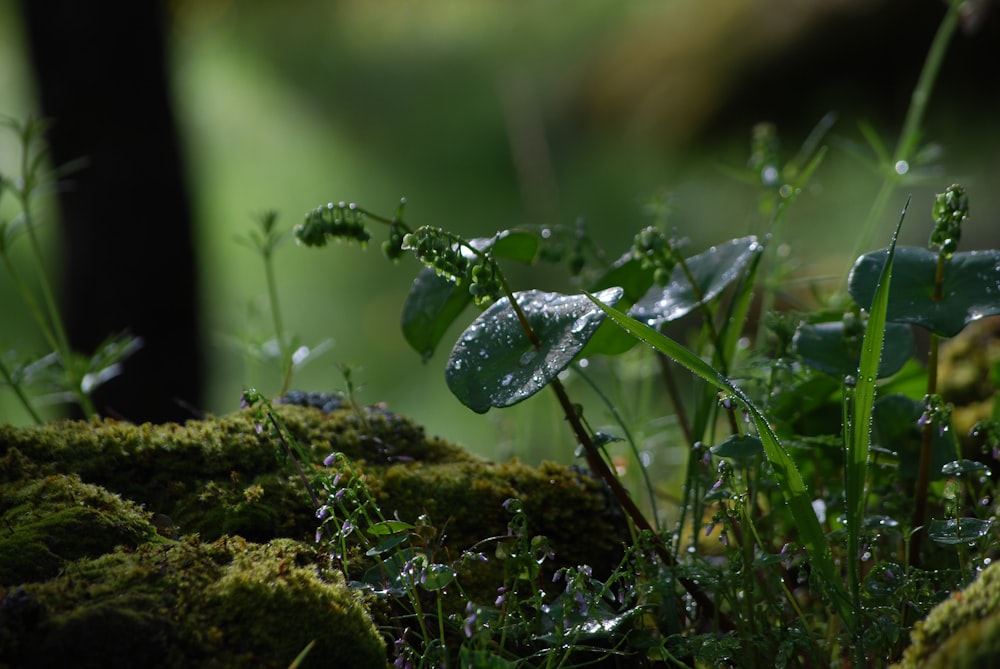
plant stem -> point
(53, 324)
(603, 471)
(19, 391)
(909, 136)
(279, 329)
(926, 451)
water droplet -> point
(902, 167)
(580, 325)
(505, 381)
(527, 357)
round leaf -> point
(739, 447)
(958, 530)
(713, 271)
(822, 346)
(494, 364)
(970, 287)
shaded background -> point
(484, 115)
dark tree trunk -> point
(126, 222)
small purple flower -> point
(322, 512)
(502, 597)
(925, 419)
(329, 460)
(319, 534)
(470, 620)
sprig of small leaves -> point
(950, 211)
(457, 260)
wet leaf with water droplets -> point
(970, 288)
(434, 302)
(823, 346)
(713, 271)
(958, 530)
(494, 364)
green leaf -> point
(431, 307)
(713, 271)
(958, 530)
(970, 287)
(434, 302)
(386, 545)
(628, 273)
(895, 429)
(740, 447)
(516, 245)
(786, 474)
(389, 527)
(495, 364)
(823, 346)
(437, 577)
(963, 467)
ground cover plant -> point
(828, 504)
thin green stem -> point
(926, 451)
(19, 391)
(53, 322)
(909, 136)
(279, 329)
(628, 437)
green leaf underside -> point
(970, 287)
(435, 302)
(495, 364)
(431, 307)
(895, 430)
(628, 273)
(822, 347)
(713, 271)
(740, 447)
(793, 488)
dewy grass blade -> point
(787, 475)
(857, 431)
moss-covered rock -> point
(962, 632)
(190, 604)
(92, 511)
(46, 522)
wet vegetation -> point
(836, 506)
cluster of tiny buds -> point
(340, 221)
(654, 251)
(443, 252)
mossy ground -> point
(194, 544)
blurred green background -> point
(487, 115)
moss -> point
(467, 498)
(198, 474)
(225, 604)
(47, 522)
(963, 631)
(242, 593)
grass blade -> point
(858, 416)
(789, 479)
